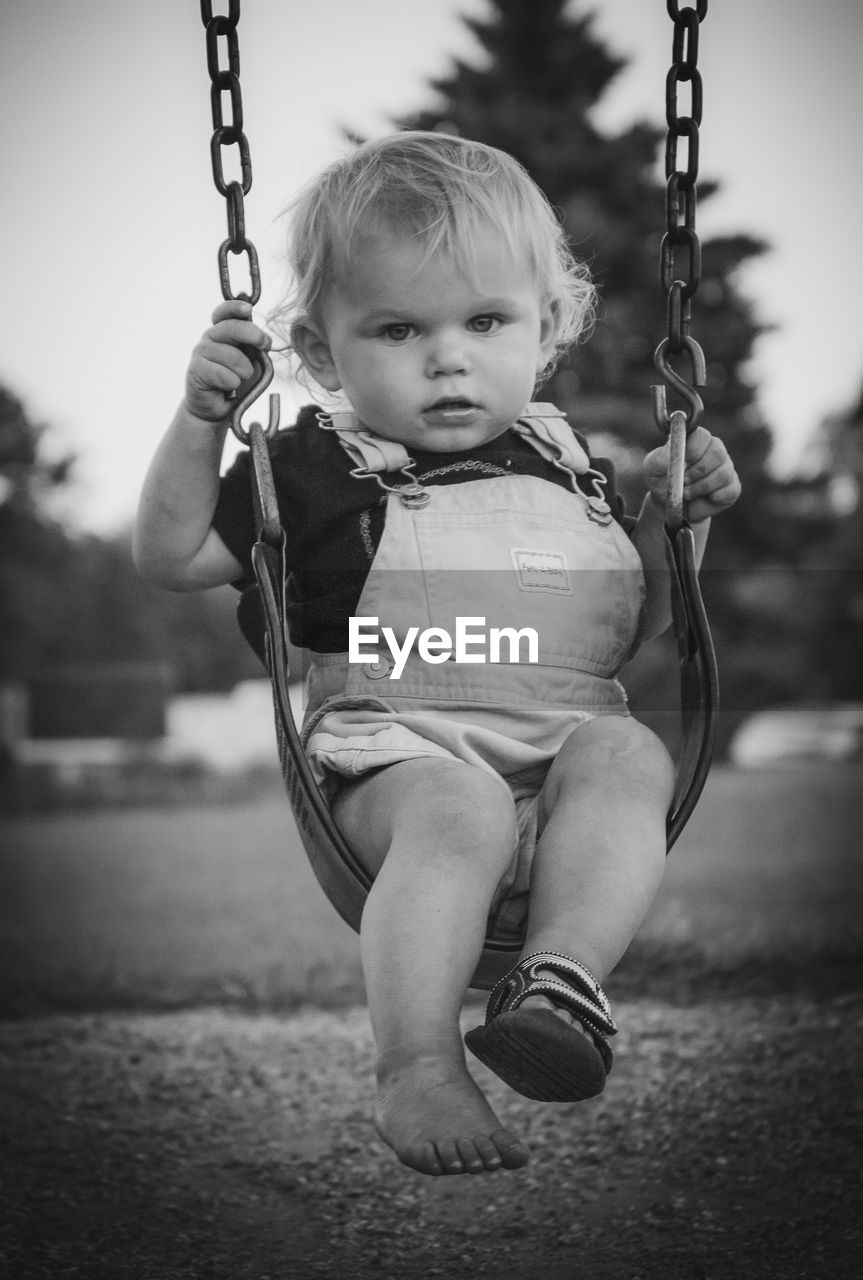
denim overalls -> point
(516, 551)
(519, 552)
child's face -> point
(431, 354)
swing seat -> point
(698, 677)
(341, 875)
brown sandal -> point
(536, 1052)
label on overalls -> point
(541, 571)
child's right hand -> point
(219, 366)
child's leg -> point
(601, 852)
(598, 863)
(439, 835)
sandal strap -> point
(573, 986)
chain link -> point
(680, 250)
(223, 65)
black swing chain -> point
(221, 34)
(224, 70)
(680, 280)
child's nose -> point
(446, 354)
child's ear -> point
(310, 343)
(548, 326)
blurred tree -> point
(33, 549)
(533, 95)
(124, 619)
(833, 559)
(26, 476)
(543, 73)
(69, 599)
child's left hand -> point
(710, 481)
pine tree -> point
(75, 599)
(533, 96)
(833, 562)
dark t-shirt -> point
(333, 521)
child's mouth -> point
(450, 409)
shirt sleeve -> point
(234, 517)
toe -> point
(471, 1158)
(448, 1154)
(489, 1154)
(424, 1159)
(513, 1153)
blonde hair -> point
(446, 192)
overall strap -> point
(545, 428)
(373, 456)
(368, 451)
(542, 426)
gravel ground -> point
(212, 1145)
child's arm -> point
(174, 543)
(710, 486)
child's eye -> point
(484, 324)
(398, 332)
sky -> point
(111, 221)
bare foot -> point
(436, 1120)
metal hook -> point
(686, 391)
(677, 435)
(251, 391)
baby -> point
(433, 291)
